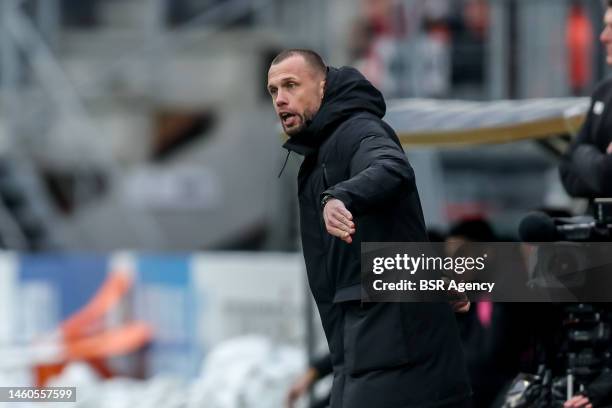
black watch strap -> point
(325, 199)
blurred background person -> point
(586, 169)
(318, 369)
(492, 360)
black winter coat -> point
(586, 169)
(385, 355)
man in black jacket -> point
(586, 170)
(355, 185)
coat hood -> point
(347, 92)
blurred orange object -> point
(83, 336)
(114, 288)
(44, 372)
(122, 340)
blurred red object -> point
(579, 42)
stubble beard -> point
(305, 119)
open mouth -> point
(288, 119)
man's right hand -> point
(338, 220)
(460, 306)
(300, 387)
(578, 401)
(609, 149)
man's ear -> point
(322, 89)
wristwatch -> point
(325, 199)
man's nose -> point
(281, 99)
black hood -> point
(347, 92)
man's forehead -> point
(294, 66)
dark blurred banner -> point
(499, 271)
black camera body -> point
(585, 350)
(603, 211)
(539, 227)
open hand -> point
(578, 401)
(338, 220)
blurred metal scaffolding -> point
(25, 51)
(47, 118)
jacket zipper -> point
(330, 278)
(325, 178)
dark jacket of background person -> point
(385, 355)
(599, 391)
(493, 352)
(493, 344)
(586, 169)
(323, 367)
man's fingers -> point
(346, 213)
(290, 399)
(341, 214)
(337, 220)
(571, 403)
(336, 232)
(337, 223)
(344, 220)
(337, 209)
(579, 401)
(461, 306)
(332, 222)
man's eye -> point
(291, 85)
